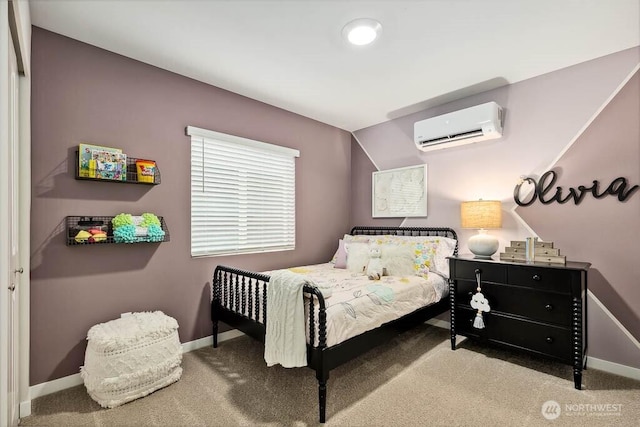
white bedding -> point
(284, 340)
(357, 304)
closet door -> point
(9, 238)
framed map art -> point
(399, 192)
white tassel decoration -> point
(478, 322)
(480, 303)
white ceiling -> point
(290, 54)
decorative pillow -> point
(430, 252)
(350, 238)
(341, 255)
(397, 260)
(357, 256)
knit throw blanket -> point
(285, 340)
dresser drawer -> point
(526, 302)
(545, 279)
(545, 339)
(466, 270)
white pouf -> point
(130, 357)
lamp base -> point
(483, 245)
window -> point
(242, 195)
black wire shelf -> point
(100, 230)
(131, 173)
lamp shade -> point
(481, 214)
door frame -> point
(15, 30)
(9, 356)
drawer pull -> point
(470, 294)
(536, 277)
(549, 307)
(549, 340)
(477, 271)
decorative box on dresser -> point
(539, 308)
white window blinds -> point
(242, 195)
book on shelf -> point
(110, 165)
(87, 165)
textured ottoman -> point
(130, 357)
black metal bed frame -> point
(239, 300)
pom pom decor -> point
(134, 229)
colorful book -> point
(110, 165)
(87, 166)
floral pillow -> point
(430, 252)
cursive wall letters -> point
(544, 188)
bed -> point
(238, 298)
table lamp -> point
(482, 214)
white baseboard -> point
(208, 341)
(613, 368)
(69, 381)
(24, 410)
(439, 323)
(52, 386)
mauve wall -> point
(543, 115)
(361, 186)
(84, 94)
(603, 231)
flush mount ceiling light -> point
(361, 31)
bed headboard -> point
(406, 231)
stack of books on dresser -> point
(544, 252)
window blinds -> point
(242, 195)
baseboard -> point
(208, 341)
(52, 386)
(63, 383)
(439, 323)
(24, 410)
(613, 368)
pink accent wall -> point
(84, 94)
(604, 231)
(542, 116)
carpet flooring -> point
(413, 380)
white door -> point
(9, 289)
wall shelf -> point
(132, 173)
(76, 223)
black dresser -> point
(539, 308)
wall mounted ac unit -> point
(480, 123)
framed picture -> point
(399, 192)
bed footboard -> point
(239, 298)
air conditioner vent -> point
(480, 123)
(454, 137)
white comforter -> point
(357, 304)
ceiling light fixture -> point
(361, 31)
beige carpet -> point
(414, 380)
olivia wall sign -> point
(546, 191)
